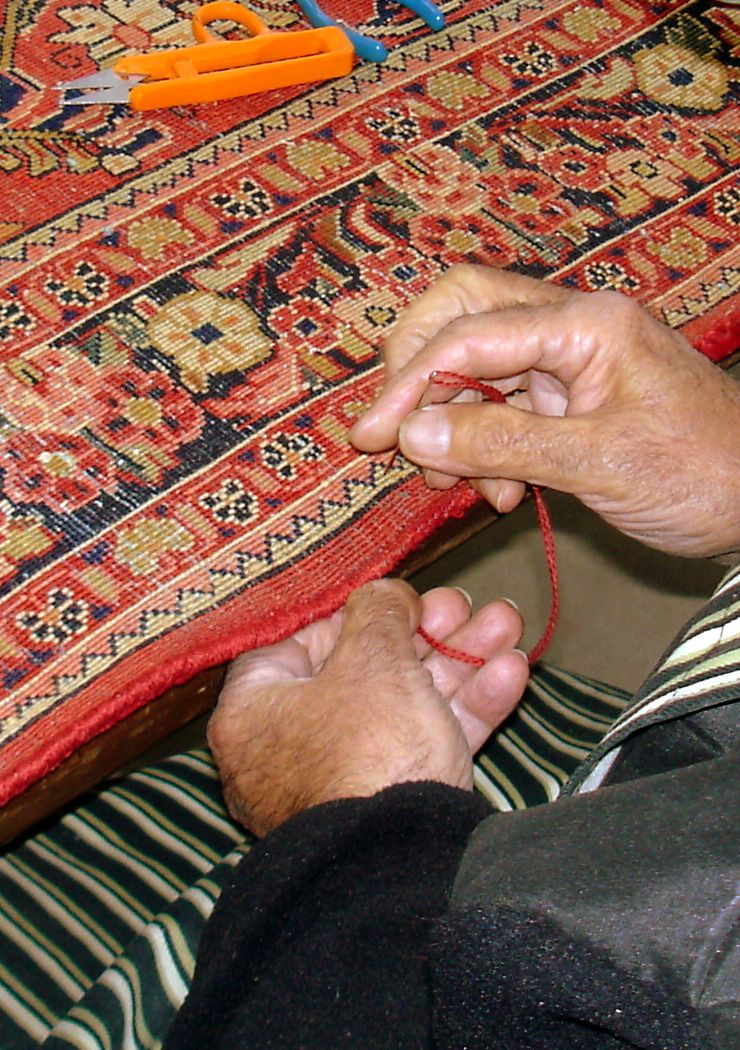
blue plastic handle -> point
(365, 47)
(427, 12)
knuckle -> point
(608, 297)
(622, 309)
(485, 442)
(375, 598)
(505, 447)
(378, 615)
(488, 443)
(460, 272)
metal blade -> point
(108, 96)
(104, 78)
(113, 89)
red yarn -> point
(548, 538)
(722, 338)
(450, 650)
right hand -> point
(350, 705)
(603, 402)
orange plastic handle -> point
(210, 54)
(225, 10)
(223, 69)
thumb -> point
(281, 662)
(498, 441)
(379, 622)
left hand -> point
(358, 702)
(601, 402)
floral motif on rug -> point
(192, 301)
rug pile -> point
(192, 301)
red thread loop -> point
(548, 538)
(450, 650)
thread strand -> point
(545, 524)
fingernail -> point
(511, 602)
(522, 654)
(499, 503)
(425, 433)
(465, 595)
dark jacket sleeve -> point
(320, 939)
(601, 921)
(598, 922)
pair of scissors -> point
(214, 69)
(367, 47)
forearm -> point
(320, 940)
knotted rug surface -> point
(192, 301)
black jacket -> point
(602, 920)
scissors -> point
(215, 69)
(367, 47)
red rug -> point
(192, 300)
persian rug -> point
(192, 300)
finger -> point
(379, 622)
(556, 338)
(502, 494)
(320, 637)
(461, 291)
(435, 479)
(443, 610)
(498, 441)
(488, 697)
(494, 629)
(281, 662)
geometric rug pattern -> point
(192, 303)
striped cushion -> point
(101, 913)
(700, 669)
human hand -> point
(603, 402)
(359, 702)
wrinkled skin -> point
(603, 402)
(358, 702)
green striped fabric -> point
(700, 669)
(560, 719)
(101, 913)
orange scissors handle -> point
(225, 10)
(221, 69)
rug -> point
(192, 301)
